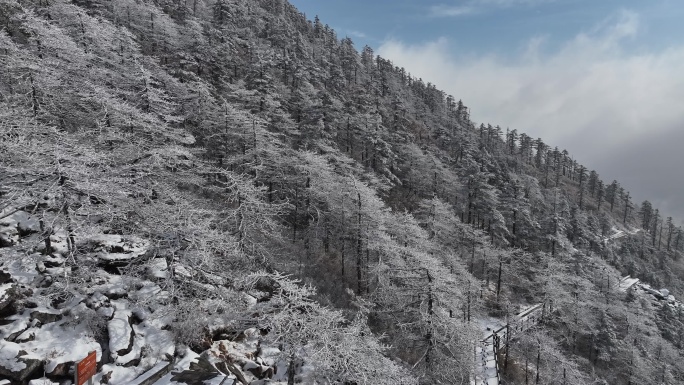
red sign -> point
(86, 368)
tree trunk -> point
(468, 318)
(428, 335)
(508, 345)
(294, 220)
(624, 219)
(71, 241)
(538, 358)
(498, 280)
(472, 259)
(342, 262)
(515, 218)
(484, 265)
(34, 96)
(256, 161)
(291, 371)
(46, 237)
(359, 246)
(660, 237)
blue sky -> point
(603, 79)
(485, 26)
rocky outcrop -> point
(259, 371)
(14, 365)
(46, 317)
(5, 277)
(8, 295)
(16, 226)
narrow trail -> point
(487, 366)
(487, 371)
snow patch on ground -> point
(8, 356)
(61, 342)
(179, 366)
(120, 330)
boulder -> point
(197, 374)
(8, 239)
(24, 336)
(158, 268)
(9, 294)
(12, 337)
(114, 293)
(97, 300)
(61, 370)
(53, 261)
(5, 277)
(106, 377)
(268, 356)
(15, 226)
(106, 312)
(43, 281)
(13, 365)
(248, 299)
(257, 370)
(45, 317)
(40, 267)
(26, 224)
(115, 250)
(266, 287)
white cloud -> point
(510, 3)
(450, 10)
(589, 95)
(479, 6)
(358, 34)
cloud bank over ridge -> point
(617, 112)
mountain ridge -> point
(233, 141)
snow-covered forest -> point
(230, 187)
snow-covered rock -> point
(248, 299)
(5, 277)
(58, 344)
(97, 300)
(158, 269)
(15, 326)
(116, 374)
(8, 237)
(45, 316)
(257, 370)
(120, 332)
(26, 224)
(14, 226)
(270, 355)
(113, 249)
(27, 335)
(53, 261)
(14, 364)
(8, 294)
